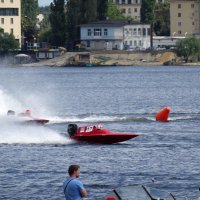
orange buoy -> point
(162, 115)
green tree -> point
(113, 12)
(147, 11)
(102, 9)
(162, 19)
(29, 19)
(88, 11)
(73, 8)
(45, 11)
(188, 47)
(58, 22)
(148, 15)
(46, 35)
(7, 42)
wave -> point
(12, 132)
(99, 118)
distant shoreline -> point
(114, 58)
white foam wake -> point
(14, 132)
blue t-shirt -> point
(72, 191)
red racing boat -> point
(27, 118)
(97, 134)
(37, 121)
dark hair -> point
(73, 168)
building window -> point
(11, 1)
(123, 1)
(179, 23)
(139, 31)
(193, 23)
(192, 5)
(134, 31)
(11, 21)
(129, 10)
(130, 31)
(106, 32)
(179, 6)
(179, 14)
(135, 43)
(179, 32)
(140, 43)
(135, 10)
(97, 32)
(11, 31)
(2, 1)
(129, 1)
(2, 20)
(144, 32)
(130, 43)
(9, 12)
(88, 43)
(89, 32)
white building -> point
(114, 35)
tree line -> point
(62, 18)
(66, 16)
(60, 26)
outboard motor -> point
(72, 129)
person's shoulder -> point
(66, 180)
(76, 181)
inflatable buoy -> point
(163, 115)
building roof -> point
(111, 23)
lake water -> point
(34, 159)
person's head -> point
(74, 170)
(28, 112)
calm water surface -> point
(34, 159)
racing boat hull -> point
(97, 135)
(37, 121)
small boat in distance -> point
(27, 118)
(97, 134)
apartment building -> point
(184, 17)
(10, 17)
(130, 8)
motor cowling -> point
(11, 112)
(72, 129)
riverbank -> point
(113, 58)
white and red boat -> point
(26, 117)
(97, 134)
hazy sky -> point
(44, 2)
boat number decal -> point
(82, 129)
(89, 128)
